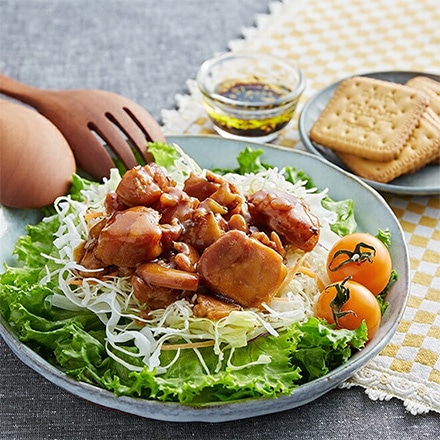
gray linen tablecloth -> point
(146, 50)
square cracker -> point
(425, 83)
(369, 118)
(430, 87)
(436, 160)
(422, 148)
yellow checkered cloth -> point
(331, 40)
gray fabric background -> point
(145, 50)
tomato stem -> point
(362, 253)
(341, 297)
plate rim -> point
(215, 412)
(310, 147)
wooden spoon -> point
(36, 162)
(90, 120)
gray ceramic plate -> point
(372, 213)
(424, 182)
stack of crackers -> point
(381, 130)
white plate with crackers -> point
(383, 127)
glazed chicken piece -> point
(214, 187)
(143, 185)
(226, 197)
(203, 229)
(213, 308)
(237, 221)
(175, 205)
(85, 255)
(287, 215)
(130, 237)
(157, 274)
(242, 269)
(186, 258)
(113, 203)
(200, 186)
(170, 234)
(274, 241)
(154, 297)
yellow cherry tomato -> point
(364, 258)
(347, 304)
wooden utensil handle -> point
(17, 90)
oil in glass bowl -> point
(258, 115)
(250, 96)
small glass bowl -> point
(250, 96)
